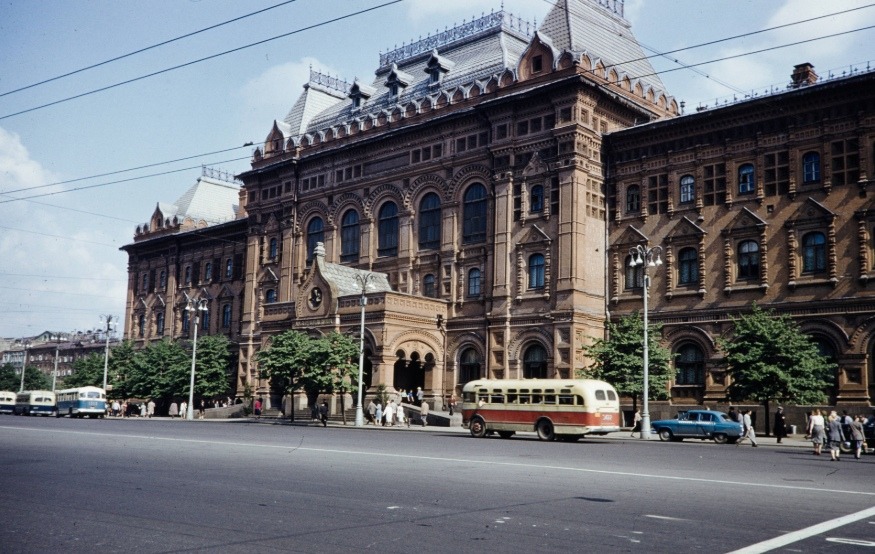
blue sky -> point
(60, 267)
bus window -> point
(469, 396)
(512, 398)
(497, 399)
(550, 399)
(525, 399)
(579, 400)
(537, 399)
(612, 395)
(566, 400)
(599, 395)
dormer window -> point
(436, 67)
(397, 80)
(360, 93)
(537, 64)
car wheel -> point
(846, 447)
(545, 430)
(720, 438)
(665, 435)
(478, 427)
(505, 434)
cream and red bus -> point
(564, 409)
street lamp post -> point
(196, 306)
(646, 258)
(363, 280)
(24, 364)
(110, 324)
(58, 339)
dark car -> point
(698, 424)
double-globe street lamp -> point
(194, 307)
(645, 257)
(363, 279)
(26, 345)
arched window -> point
(536, 271)
(208, 272)
(810, 168)
(474, 214)
(690, 365)
(205, 320)
(229, 268)
(688, 266)
(749, 260)
(430, 222)
(315, 235)
(634, 275)
(469, 366)
(187, 278)
(186, 318)
(141, 325)
(474, 282)
(272, 249)
(688, 189)
(162, 279)
(746, 179)
(428, 287)
(159, 323)
(814, 252)
(536, 199)
(633, 199)
(145, 282)
(387, 237)
(270, 296)
(226, 316)
(349, 237)
(535, 362)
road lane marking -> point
(669, 518)
(803, 534)
(291, 447)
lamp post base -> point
(645, 426)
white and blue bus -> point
(7, 402)
(35, 402)
(81, 402)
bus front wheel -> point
(545, 430)
(478, 427)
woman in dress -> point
(858, 436)
(815, 431)
(835, 435)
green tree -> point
(8, 380)
(159, 372)
(87, 372)
(34, 379)
(619, 359)
(211, 367)
(334, 358)
(286, 362)
(121, 366)
(770, 359)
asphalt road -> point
(175, 486)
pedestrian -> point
(636, 423)
(173, 411)
(399, 415)
(423, 412)
(183, 410)
(151, 408)
(816, 431)
(314, 411)
(257, 408)
(389, 413)
(857, 436)
(124, 408)
(372, 412)
(115, 408)
(780, 424)
(419, 395)
(379, 413)
(323, 413)
(410, 396)
(452, 404)
(733, 414)
(835, 435)
(747, 430)
(200, 410)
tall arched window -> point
(690, 365)
(535, 362)
(186, 317)
(208, 272)
(688, 189)
(536, 271)
(229, 268)
(469, 366)
(746, 179)
(536, 199)
(810, 168)
(159, 323)
(387, 237)
(813, 252)
(205, 320)
(688, 266)
(428, 287)
(226, 316)
(187, 275)
(430, 222)
(315, 235)
(634, 275)
(272, 249)
(633, 199)
(350, 240)
(141, 325)
(749, 259)
(474, 214)
(162, 279)
(474, 282)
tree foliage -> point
(87, 372)
(8, 380)
(770, 359)
(211, 368)
(619, 359)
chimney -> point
(803, 75)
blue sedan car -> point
(698, 424)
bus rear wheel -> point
(545, 430)
(478, 427)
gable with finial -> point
(745, 223)
(685, 230)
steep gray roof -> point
(315, 100)
(598, 28)
(208, 199)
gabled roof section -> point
(320, 93)
(210, 200)
(598, 28)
